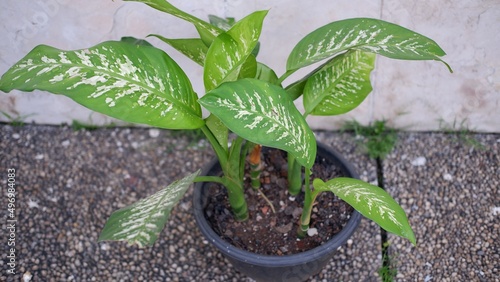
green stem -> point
(219, 151)
(309, 199)
(294, 175)
(232, 179)
(255, 171)
(215, 179)
(285, 76)
(237, 199)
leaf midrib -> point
(154, 91)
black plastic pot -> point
(297, 267)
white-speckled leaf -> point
(370, 35)
(142, 222)
(264, 114)
(372, 202)
(230, 50)
(134, 83)
(193, 48)
(341, 85)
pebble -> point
(312, 232)
(448, 177)
(153, 132)
(420, 161)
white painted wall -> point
(410, 95)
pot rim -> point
(274, 260)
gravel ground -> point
(451, 191)
(68, 182)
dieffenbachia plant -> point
(135, 82)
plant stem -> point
(309, 199)
(215, 179)
(219, 151)
(255, 166)
(285, 76)
(232, 179)
(294, 176)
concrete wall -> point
(410, 95)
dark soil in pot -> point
(275, 233)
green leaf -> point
(193, 48)
(249, 68)
(142, 222)
(370, 35)
(341, 85)
(135, 41)
(207, 31)
(263, 113)
(296, 89)
(219, 130)
(230, 50)
(134, 83)
(224, 24)
(266, 74)
(372, 202)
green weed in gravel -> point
(377, 140)
(462, 132)
(15, 121)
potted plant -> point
(135, 82)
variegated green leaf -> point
(224, 24)
(370, 35)
(207, 31)
(296, 89)
(193, 48)
(263, 113)
(231, 49)
(142, 222)
(372, 202)
(130, 82)
(341, 85)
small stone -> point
(104, 247)
(27, 276)
(153, 132)
(264, 210)
(65, 143)
(39, 157)
(448, 177)
(16, 136)
(420, 161)
(284, 228)
(312, 232)
(32, 204)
